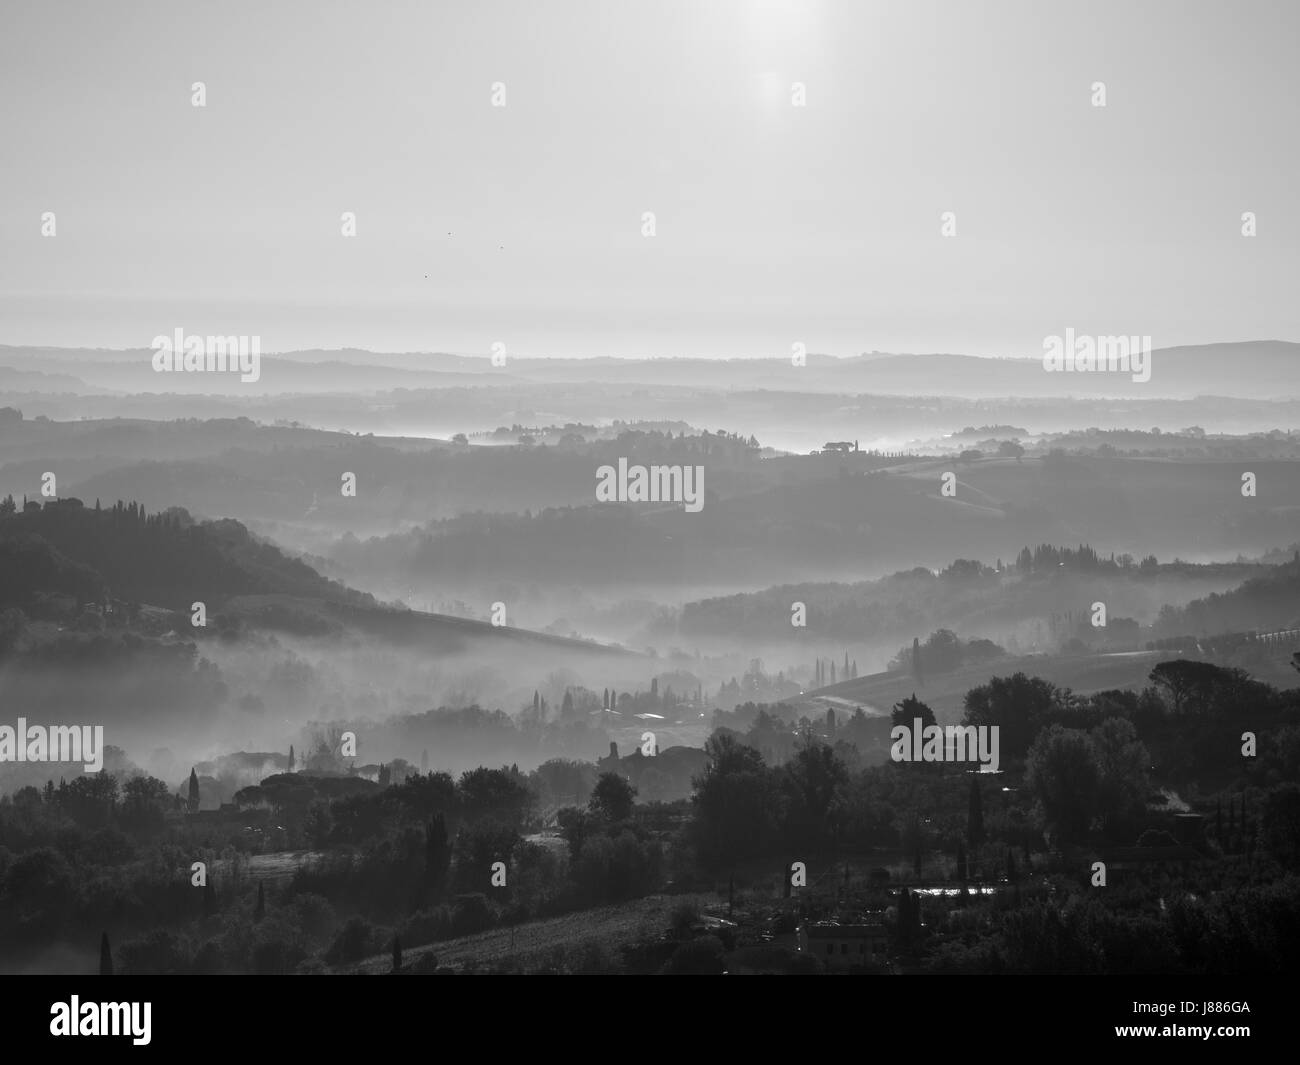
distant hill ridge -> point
(165, 559)
(169, 560)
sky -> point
(774, 224)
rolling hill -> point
(944, 693)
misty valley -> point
(389, 723)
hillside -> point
(1266, 602)
(944, 693)
(164, 559)
(168, 560)
(857, 525)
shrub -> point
(356, 939)
(699, 957)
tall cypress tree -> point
(975, 816)
(105, 956)
(193, 802)
(437, 853)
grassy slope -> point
(610, 926)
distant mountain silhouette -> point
(1255, 369)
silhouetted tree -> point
(105, 956)
(975, 815)
(193, 802)
(909, 710)
(437, 853)
(1062, 774)
(612, 798)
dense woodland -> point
(410, 860)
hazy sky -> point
(775, 224)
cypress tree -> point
(194, 792)
(975, 816)
(105, 956)
(437, 852)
